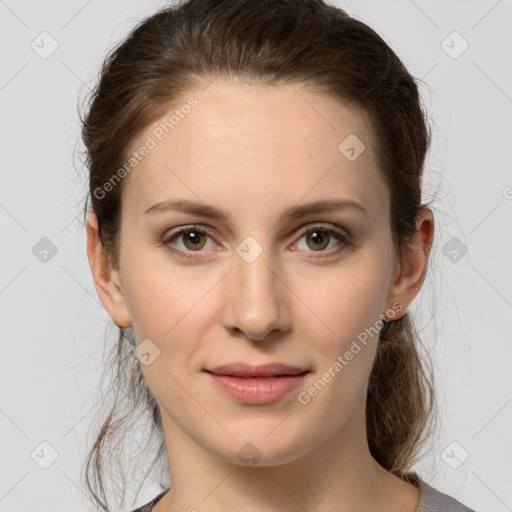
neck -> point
(338, 475)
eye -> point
(320, 237)
(193, 238)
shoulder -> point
(149, 506)
(432, 500)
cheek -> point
(345, 328)
(351, 309)
(350, 301)
(160, 297)
(171, 311)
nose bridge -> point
(255, 302)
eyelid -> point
(175, 233)
(341, 234)
(329, 228)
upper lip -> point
(264, 370)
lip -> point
(257, 385)
(240, 369)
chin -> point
(260, 450)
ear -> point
(106, 280)
(412, 268)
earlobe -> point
(414, 263)
(106, 279)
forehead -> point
(256, 142)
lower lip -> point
(257, 390)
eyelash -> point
(191, 255)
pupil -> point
(195, 237)
(318, 237)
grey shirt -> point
(431, 500)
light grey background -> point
(53, 326)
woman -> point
(257, 233)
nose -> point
(256, 299)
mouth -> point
(244, 370)
(259, 385)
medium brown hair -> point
(264, 42)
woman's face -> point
(269, 282)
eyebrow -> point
(294, 212)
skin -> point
(255, 151)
